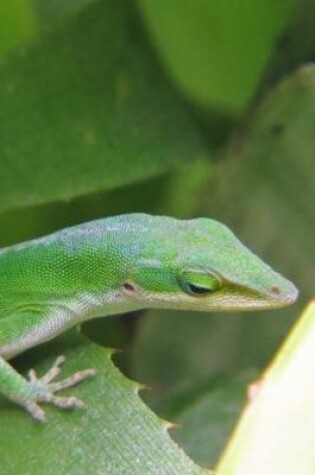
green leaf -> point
(17, 23)
(26, 223)
(50, 12)
(217, 51)
(115, 433)
(297, 45)
(184, 189)
(87, 108)
(192, 346)
(277, 427)
(205, 414)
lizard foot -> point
(47, 389)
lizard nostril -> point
(274, 290)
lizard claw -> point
(35, 411)
(46, 389)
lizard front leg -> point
(29, 393)
(17, 333)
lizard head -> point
(199, 264)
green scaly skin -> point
(115, 265)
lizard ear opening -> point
(129, 287)
(199, 284)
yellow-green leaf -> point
(276, 434)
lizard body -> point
(116, 265)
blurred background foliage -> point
(177, 108)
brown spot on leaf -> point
(277, 129)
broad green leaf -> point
(277, 430)
(297, 45)
(50, 12)
(17, 23)
(184, 189)
(176, 193)
(87, 108)
(217, 51)
(24, 224)
(115, 433)
(191, 347)
(205, 414)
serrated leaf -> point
(116, 433)
(87, 108)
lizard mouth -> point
(273, 297)
(231, 298)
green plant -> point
(112, 106)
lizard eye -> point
(199, 283)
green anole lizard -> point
(116, 265)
